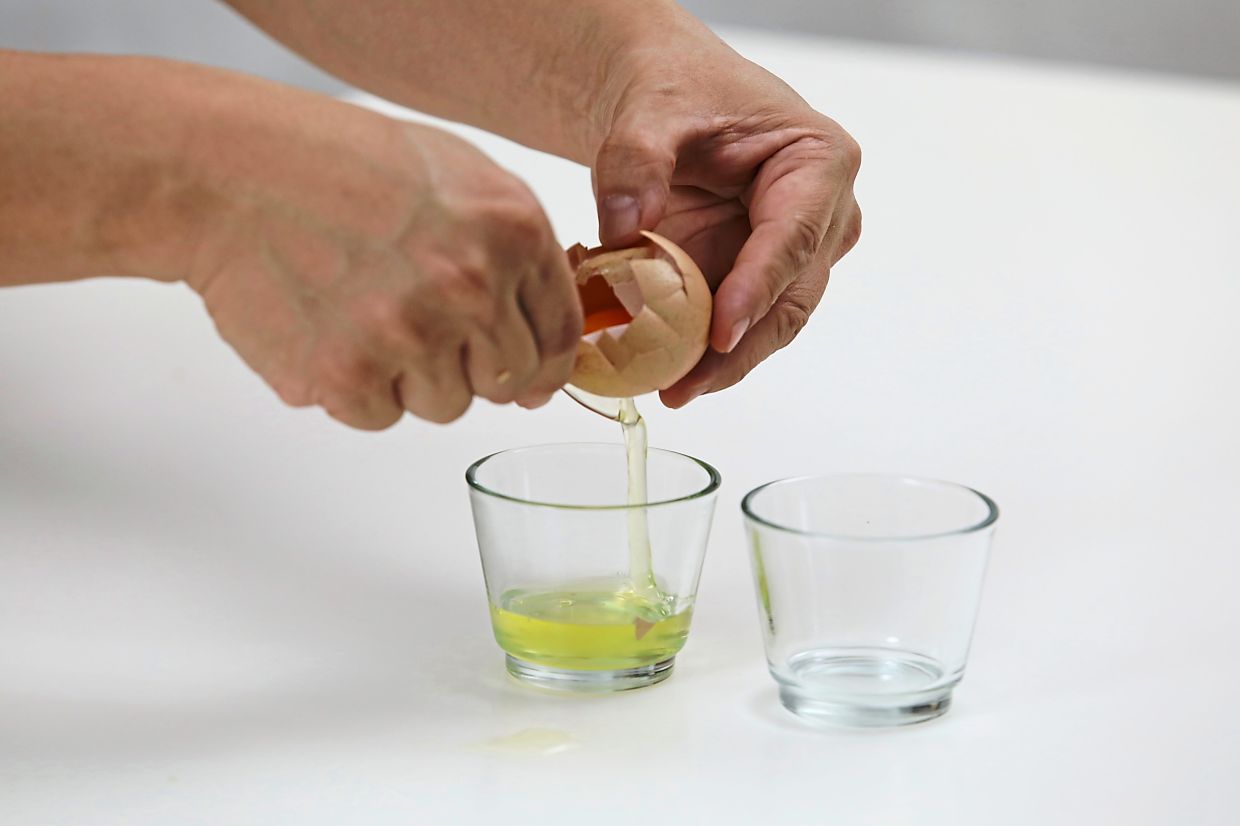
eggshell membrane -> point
(663, 291)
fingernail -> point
(738, 331)
(621, 216)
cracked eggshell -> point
(647, 326)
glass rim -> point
(471, 477)
(992, 509)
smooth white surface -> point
(217, 610)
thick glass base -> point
(859, 714)
(589, 682)
(865, 687)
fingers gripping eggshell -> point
(647, 311)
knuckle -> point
(509, 188)
(852, 232)
(834, 142)
(524, 224)
(850, 152)
(345, 369)
(440, 400)
(519, 242)
(343, 407)
(387, 416)
(564, 335)
(517, 375)
(467, 289)
(806, 238)
(526, 378)
(479, 299)
(364, 417)
(635, 148)
(498, 393)
(516, 217)
(388, 318)
(555, 374)
(791, 313)
(293, 391)
(447, 409)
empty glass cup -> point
(868, 587)
(587, 591)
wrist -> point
(88, 149)
(239, 152)
(101, 148)
(167, 207)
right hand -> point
(371, 267)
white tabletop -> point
(217, 610)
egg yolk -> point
(601, 306)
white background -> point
(1197, 37)
(214, 609)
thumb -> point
(632, 177)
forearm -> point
(541, 72)
(87, 183)
(138, 166)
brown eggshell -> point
(663, 291)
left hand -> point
(726, 160)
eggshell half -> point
(663, 293)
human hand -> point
(372, 267)
(726, 160)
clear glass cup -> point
(868, 588)
(588, 592)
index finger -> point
(778, 327)
(794, 199)
(549, 301)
